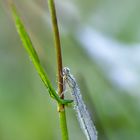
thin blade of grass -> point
(27, 43)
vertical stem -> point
(61, 108)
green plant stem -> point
(61, 108)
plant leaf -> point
(27, 43)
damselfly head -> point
(66, 71)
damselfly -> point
(82, 112)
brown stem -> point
(61, 108)
(57, 48)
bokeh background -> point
(100, 44)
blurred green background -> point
(100, 44)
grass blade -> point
(27, 43)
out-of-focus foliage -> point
(26, 110)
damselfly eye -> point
(66, 70)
